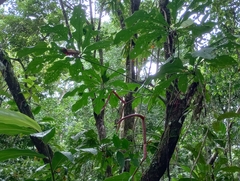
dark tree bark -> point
(175, 115)
(130, 77)
(176, 110)
(23, 106)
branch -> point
(2, 1)
(66, 19)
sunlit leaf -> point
(15, 153)
(46, 135)
(19, 119)
(89, 150)
(10, 129)
(206, 53)
(77, 21)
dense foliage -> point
(119, 90)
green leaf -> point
(99, 45)
(119, 83)
(117, 73)
(169, 68)
(138, 16)
(222, 61)
(120, 159)
(113, 101)
(10, 129)
(219, 126)
(99, 103)
(15, 118)
(36, 110)
(121, 177)
(60, 33)
(80, 103)
(75, 69)
(125, 143)
(116, 141)
(77, 21)
(183, 83)
(231, 169)
(187, 23)
(36, 65)
(136, 102)
(206, 53)
(89, 150)
(142, 43)
(88, 35)
(46, 135)
(15, 153)
(124, 35)
(53, 73)
(39, 49)
(228, 115)
(60, 157)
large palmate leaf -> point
(77, 20)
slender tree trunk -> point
(23, 106)
(130, 77)
(176, 109)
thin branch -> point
(66, 19)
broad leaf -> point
(206, 53)
(116, 141)
(77, 21)
(15, 153)
(228, 115)
(183, 83)
(80, 103)
(60, 33)
(219, 126)
(15, 118)
(99, 45)
(10, 129)
(120, 159)
(59, 158)
(39, 49)
(89, 150)
(231, 169)
(222, 61)
(46, 135)
(175, 67)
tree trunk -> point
(176, 109)
(23, 106)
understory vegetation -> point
(109, 90)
